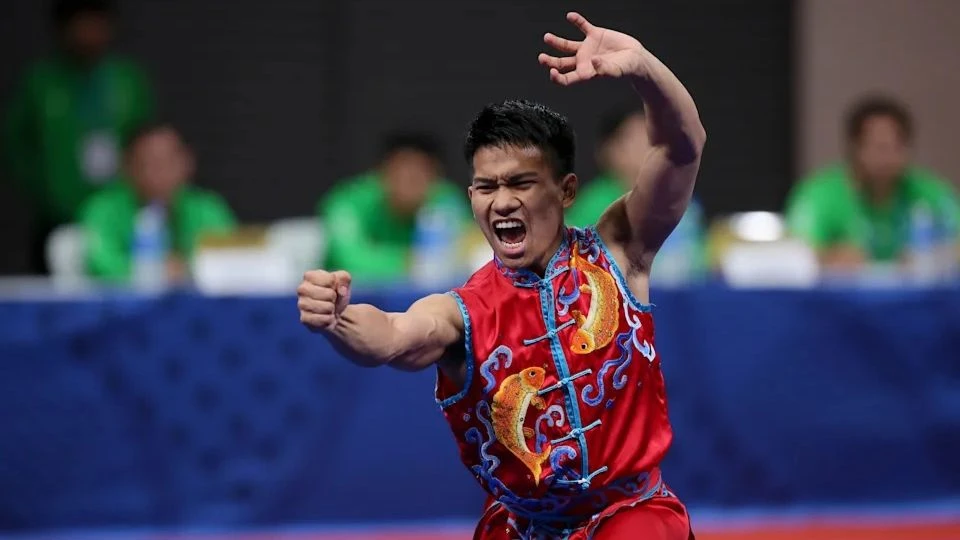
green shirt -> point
(828, 210)
(66, 126)
(366, 237)
(594, 199)
(109, 217)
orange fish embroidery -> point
(597, 329)
(515, 395)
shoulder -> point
(825, 187)
(124, 66)
(927, 181)
(828, 178)
(198, 196)
(355, 189)
(444, 188)
(107, 199)
(445, 307)
(601, 186)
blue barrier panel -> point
(225, 411)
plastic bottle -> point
(923, 245)
(435, 260)
(150, 245)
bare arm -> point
(665, 181)
(369, 337)
(639, 222)
(410, 341)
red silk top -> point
(564, 412)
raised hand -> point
(321, 297)
(602, 52)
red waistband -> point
(586, 505)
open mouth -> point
(510, 232)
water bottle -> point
(150, 248)
(923, 245)
(676, 261)
(435, 243)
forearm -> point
(672, 117)
(365, 335)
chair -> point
(66, 254)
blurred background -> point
(170, 169)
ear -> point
(568, 188)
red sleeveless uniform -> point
(563, 415)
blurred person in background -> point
(153, 204)
(70, 116)
(866, 210)
(622, 145)
(372, 220)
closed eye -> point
(522, 184)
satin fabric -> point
(563, 416)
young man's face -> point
(518, 204)
(159, 164)
(87, 36)
(881, 154)
(407, 176)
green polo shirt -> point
(109, 217)
(366, 237)
(66, 126)
(594, 199)
(828, 210)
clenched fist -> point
(321, 297)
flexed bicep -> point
(426, 332)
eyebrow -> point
(526, 175)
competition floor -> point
(933, 522)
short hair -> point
(417, 141)
(873, 106)
(65, 11)
(523, 124)
(611, 121)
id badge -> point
(100, 156)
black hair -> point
(65, 11)
(418, 141)
(523, 123)
(612, 120)
(873, 106)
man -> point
(158, 167)
(860, 212)
(370, 220)
(72, 112)
(621, 148)
(547, 371)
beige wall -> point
(908, 48)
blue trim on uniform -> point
(570, 395)
(618, 274)
(468, 359)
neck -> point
(878, 193)
(540, 266)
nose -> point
(504, 203)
